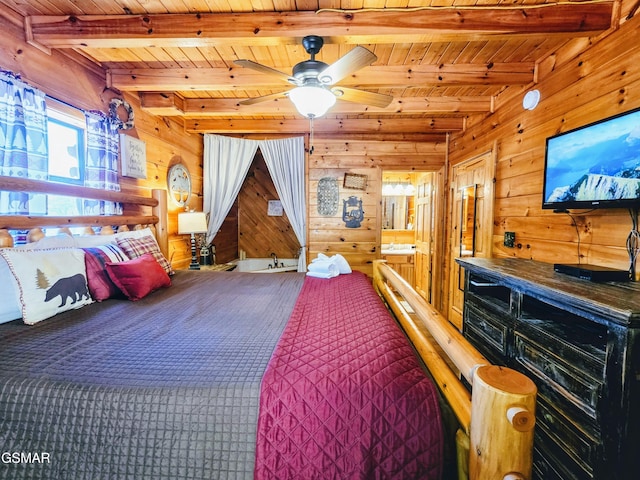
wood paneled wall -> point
(259, 234)
(333, 157)
(76, 81)
(576, 89)
(226, 240)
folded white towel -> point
(331, 266)
(320, 258)
(325, 266)
(322, 274)
(341, 262)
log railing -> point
(497, 420)
(157, 202)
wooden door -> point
(424, 226)
(471, 219)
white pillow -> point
(136, 233)
(55, 241)
(50, 281)
(10, 306)
(90, 241)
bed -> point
(169, 386)
(234, 375)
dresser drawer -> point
(583, 355)
(547, 468)
(569, 439)
(565, 381)
(571, 337)
(485, 329)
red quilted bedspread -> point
(343, 396)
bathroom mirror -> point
(397, 212)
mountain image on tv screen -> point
(600, 162)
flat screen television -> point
(594, 166)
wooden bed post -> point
(6, 240)
(161, 211)
(499, 415)
(502, 422)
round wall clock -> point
(179, 184)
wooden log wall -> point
(580, 84)
(78, 82)
(335, 156)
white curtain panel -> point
(226, 163)
(285, 161)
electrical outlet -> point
(510, 239)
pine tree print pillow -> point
(50, 281)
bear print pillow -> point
(50, 281)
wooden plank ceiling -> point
(441, 61)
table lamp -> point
(192, 223)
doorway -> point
(412, 216)
(398, 222)
(471, 220)
(249, 226)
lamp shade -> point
(312, 101)
(192, 222)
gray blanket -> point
(163, 388)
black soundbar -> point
(593, 273)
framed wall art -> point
(275, 208)
(133, 157)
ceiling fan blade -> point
(354, 60)
(264, 69)
(362, 96)
(264, 98)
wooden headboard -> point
(157, 203)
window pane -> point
(66, 152)
(59, 205)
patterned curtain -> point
(23, 143)
(101, 168)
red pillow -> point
(100, 285)
(139, 277)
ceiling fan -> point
(314, 92)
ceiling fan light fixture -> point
(312, 101)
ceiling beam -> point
(397, 76)
(279, 28)
(325, 125)
(170, 104)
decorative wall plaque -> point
(133, 155)
(355, 181)
(352, 213)
(328, 196)
(275, 208)
(179, 184)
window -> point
(66, 142)
(66, 146)
(47, 140)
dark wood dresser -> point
(578, 341)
